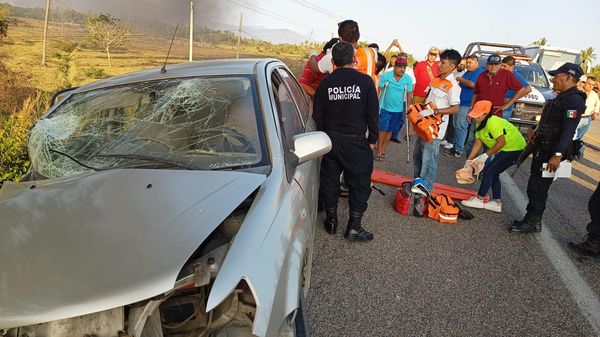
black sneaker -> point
(588, 247)
(359, 234)
(395, 140)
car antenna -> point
(163, 70)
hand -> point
(372, 146)
(469, 162)
(504, 107)
(553, 163)
(425, 113)
(312, 52)
(530, 135)
(482, 158)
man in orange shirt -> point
(365, 59)
(425, 72)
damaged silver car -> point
(165, 204)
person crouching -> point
(503, 141)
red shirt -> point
(494, 89)
(423, 78)
(310, 78)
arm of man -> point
(520, 90)
(308, 89)
(573, 110)
(372, 113)
(465, 82)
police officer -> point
(552, 142)
(345, 106)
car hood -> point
(538, 95)
(78, 245)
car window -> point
(296, 91)
(196, 123)
(289, 118)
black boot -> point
(331, 222)
(588, 247)
(355, 232)
(532, 223)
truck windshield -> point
(533, 75)
(201, 123)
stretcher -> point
(397, 180)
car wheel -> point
(301, 321)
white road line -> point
(584, 296)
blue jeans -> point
(425, 160)
(460, 129)
(582, 128)
(398, 126)
(507, 113)
(492, 170)
(470, 138)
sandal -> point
(378, 158)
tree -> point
(108, 32)
(541, 42)
(5, 20)
(587, 55)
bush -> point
(94, 73)
(14, 158)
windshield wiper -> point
(74, 159)
(145, 158)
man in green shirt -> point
(504, 141)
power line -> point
(316, 8)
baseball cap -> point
(568, 68)
(480, 108)
(401, 61)
(583, 78)
(434, 50)
(494, 59)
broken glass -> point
(184, 123)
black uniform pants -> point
(537, 187)
(353, 156)
(594, 208)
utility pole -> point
(191, 57)
(239, 36)
(45, 33)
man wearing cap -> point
(492, 85)
(393, 86)
(503, 141)
(425, 72)
(552, 142)
(345, 107)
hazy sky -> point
(420, 24)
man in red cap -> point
(425, 72)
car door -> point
(306, 174)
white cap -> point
(583, 78)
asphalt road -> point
(422, 278)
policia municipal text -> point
(345, 118)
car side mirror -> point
(61, 95)
(311, 145)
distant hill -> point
(169, 13)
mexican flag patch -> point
(572, 114)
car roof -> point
(552, 48)
(190, 69)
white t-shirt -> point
(592, 104)
(444, 93)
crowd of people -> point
(472, 103)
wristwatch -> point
(558, 154)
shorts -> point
(388, 120)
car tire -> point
(301, 321)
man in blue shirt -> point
(393, 86)
(508, 63)
(467, 83)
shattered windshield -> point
(186, 123)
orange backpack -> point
(427, 128)
(442, 208)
